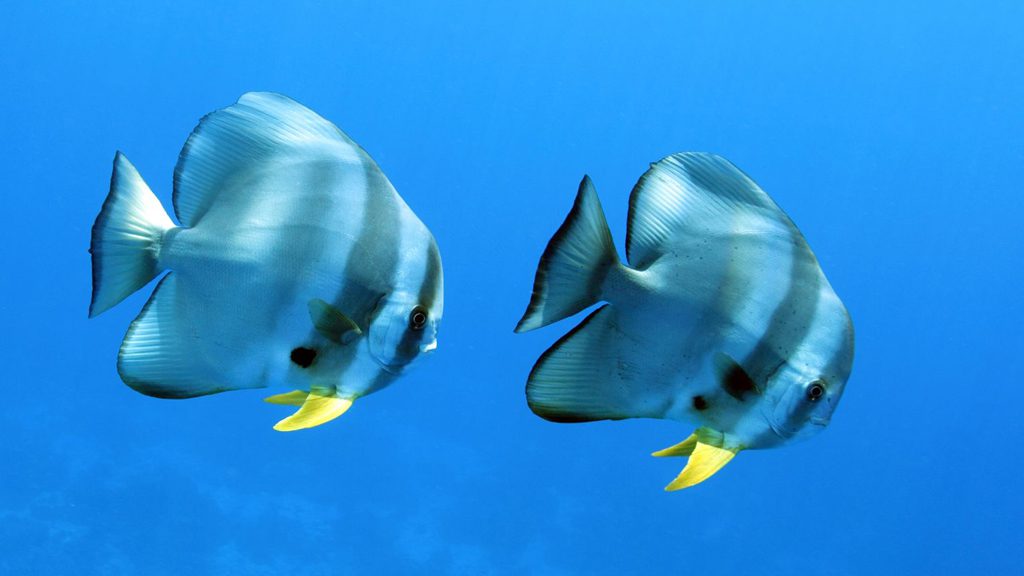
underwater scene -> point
(562, 288)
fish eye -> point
(418, 318)
(815, 391)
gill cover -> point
(400, 330)
(797, 415)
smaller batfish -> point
(722, 317)
(296, 263)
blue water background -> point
(892, 133)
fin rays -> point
(293, 398)
(316, 409)
(708, 450)
(331, 323)
(125, 238)
(574, 264)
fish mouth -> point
(429, 347)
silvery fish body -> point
(296, 263)
(722, 317)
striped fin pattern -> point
(163, 355)
(126, 238)
(693, 194)
(574, 265)
(260, 130)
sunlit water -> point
(891, 133)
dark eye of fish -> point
(815, 391)
(303, 357)
(418, 318)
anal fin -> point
(317, 409)
(596, 373)
(172, 350)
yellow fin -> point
(708, 450)
(316, 410)
(703, 463)
(684, 448)
(293, 398)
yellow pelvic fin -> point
(684, 448)
(293, 398)
(316, 410)
(703, 463)
(709, 450)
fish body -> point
(721, 316)
(296, 263)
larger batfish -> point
(722, 317)
(296, 263)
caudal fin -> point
(125, 238)
(574, 264)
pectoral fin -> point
(332, 323)
(317, 409)
(709, 451)
(733, 378)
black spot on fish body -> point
(699, 403)
(303, 357)
(737, 383)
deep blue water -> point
(893, 136)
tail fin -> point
(125, 238)
(574, 265)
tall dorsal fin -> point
(696, 198)
(260, 131)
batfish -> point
(721, 317)
(295, 263)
